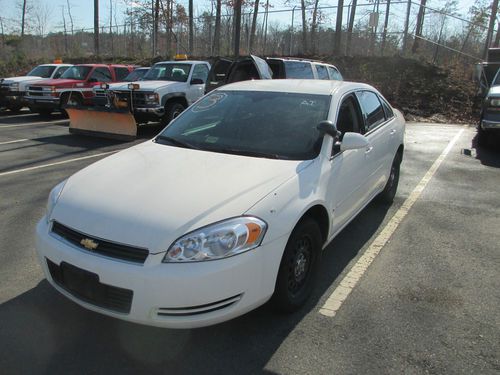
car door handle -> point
(368, 149)
(393, 131)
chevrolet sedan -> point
(230, 206)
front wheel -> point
(15, 108)
(299, 267)
(387, 195)
(172, 110)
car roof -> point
(304, 86)
(55, 64)
(182, 62)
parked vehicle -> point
(228, 70)
(162, 94)
(101, 92)
(228, 207)
(13, 89)
(74, 87)
(489, 124)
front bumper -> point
(172, 295)
(490, 125)
(42, 102)
(15, 98)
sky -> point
(82, 10)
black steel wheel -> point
(387, 195)
(299, 267)
(172, 110)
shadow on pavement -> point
(489, 154)
(43, 332)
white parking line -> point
(33, 123)
(56, 163)
(25, 114)
(15, 141)
(340, 294)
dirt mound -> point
(419, 90)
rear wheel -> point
(299, 267)
(14, 108)
(387, 195)
(172, 110)
(72, 100)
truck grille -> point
(86, 286)
(102, 247)
(138, 98)
(38, 91)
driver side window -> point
(349, 118)
(101, 75)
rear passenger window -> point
(389, 113)
(372, 109)
(60, 71)
(335, 74)
(121, 73)
(101, 75)
(298, 70)
(322, 72)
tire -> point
(299, 265)
(73, 100)
(15, 108)
(172, 110)
(482, 137)
(387, 195)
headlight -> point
(53, 198)
(14, 86)
(133, 86)
(151, 98)
(219, 240)
(494, 102)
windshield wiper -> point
(176, 142)
(248, 153)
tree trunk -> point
(191, 28)
(96, 27)
(304, 26)
(217, 28)
(497, 37)
(237, 27)
(420, 24)
(111, 26)
(493, 17)
(386, 23)
(23, 18)
(156, 27)
(338, 28)
(254, 25)
(314, 27)
(65, 32)
(350, 27)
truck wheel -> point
(43, 111)
(172, 110)
(482, 137)
(73, 100)
(15, 108)
(299, 267)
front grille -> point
(37, 91)
(138, 98)
(100, 93)
(103, 247)
(200, 309)
(85, 286)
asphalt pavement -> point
(427, 304)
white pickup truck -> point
(164, 92)
(13, 89)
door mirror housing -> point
(354, 141)
(197, 81)
(327, 127)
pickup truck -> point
(13, 89)
(228, 70)
(163, 93)
(74, 87)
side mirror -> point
(197, 81)
(353, 141)
(327, 127)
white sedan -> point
(228, 207)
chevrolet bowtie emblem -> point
(89, 244)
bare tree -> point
(70, 17)
(41, 15)
(96, 27)
(156, 17)
(493, 17)
(386, 23)
(237, 26)
(304, 26)
(65, 31)
(338, 28)
(218, 10)
(314, 26)
(350, 27)
(420, 24)
(191, 27)
(254, 25)
(23, 19)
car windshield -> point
(43, 71)
(135, 75)
(77, 72)
(168, 72)
(276, 125)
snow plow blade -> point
(102, 122)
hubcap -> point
(299, 265)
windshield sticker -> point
(310, 103)
(211, 139)
(209, 102)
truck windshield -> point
(276, 125)
(168, 72)
(77, 72)
(44, 71)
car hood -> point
(59, 82)
(151, 194)
(21, 79)
(147, 85)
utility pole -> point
(489, 36)
(96, 27)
